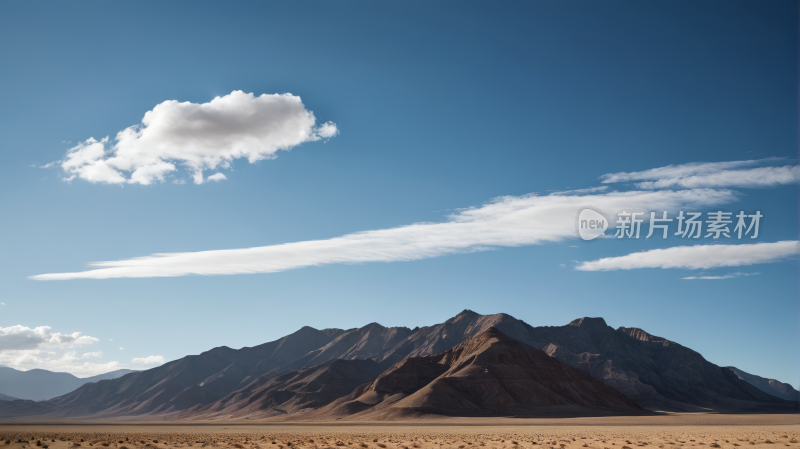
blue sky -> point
(438, 107)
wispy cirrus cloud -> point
(581, 191)
(506, 222)
(710, 175)
(197, 136)
(698, 257)
(724, 276)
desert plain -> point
(667, 431)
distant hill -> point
(774, 387)
(40, 385)
(6, 398)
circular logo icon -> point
(591, 223)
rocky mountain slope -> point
(297, 392)
(487, 375)
(655, 372)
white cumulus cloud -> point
(22, 338)
(217, 177)
(149, 360)
(506, 222)
(698, 257)
(710, 175)
(199, 137)
(25, 348)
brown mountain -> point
(652, 371)
(770, 386)
(489, 374)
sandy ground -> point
(675, 431)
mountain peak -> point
(589, 323)
(467, 313)
(640, 334)
(492, 332)
(476, 376)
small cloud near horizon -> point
(698, 257)
(149, 360)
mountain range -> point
(462, 366)
(40, 385)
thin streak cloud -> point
(711, 175)
(724, 276)
(506, 222)
(698, 257)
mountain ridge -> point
(490, 373)
(654, 372)
(770, 386)
(486, 375)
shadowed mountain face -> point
(6, 398)
(296, 392)
(366, 342)
(654, 372)
(769, 386)
(39, 384)
(192, 380)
